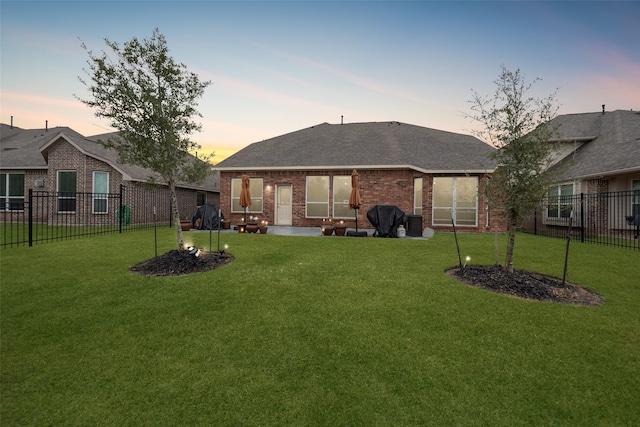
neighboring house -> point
(599, 154)
(63, 161)
(304, 177)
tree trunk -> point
(512, 240)
(176, 214)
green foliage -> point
(518, 126)
(151, 100)
(312, 331)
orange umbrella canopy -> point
(245, 196)
(354, 198)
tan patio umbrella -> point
(354, 198)
(245, 196)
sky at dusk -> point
(277, 67)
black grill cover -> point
(207, 215)
(386, 219)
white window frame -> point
(560, 214)
(635, 198)
(256, 189)
(340, 182)
(62, 197)
(417, 196)
(453, 210)
(9, 200)
(306, 198)
(98, 195)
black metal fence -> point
(48, 216)
(611, 219)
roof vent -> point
(603, 108)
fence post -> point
(535, 222)
(581, 217)
(30, 210)
(121, 211)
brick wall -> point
(377, 187)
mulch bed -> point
(525, 284)
(177, 263)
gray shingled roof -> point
(366, 146)
(20, 148)
(613, 145)
(28, 149)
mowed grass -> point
(313, 331)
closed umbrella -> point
(354, 198)
(245, 195)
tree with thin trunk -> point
(518, 126)
(151, 100)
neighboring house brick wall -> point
(30, 178)
(187, 202)
(64, 156)
(597, 186)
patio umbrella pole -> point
(354, 198)
(245, 195)
(356, 211)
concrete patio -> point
(281, 230)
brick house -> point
(597, 172)
(601, 151)
(304, 177)
(62, 161)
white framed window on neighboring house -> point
(457, 197)
(66, 187)
(559, 201)
(100, 192)
(317, 197)
(417, 196)
(341, 194)
(255, 191)
(635, 197)
(12, 191)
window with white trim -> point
(255, 190)
(635, 186)
(12, 191)
(341, 194)
(100, 192)
(317, 197)
(417, 196)
(560, 201)
(455, 197)
(66, 188)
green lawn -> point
(313, 331)
(17, 234)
